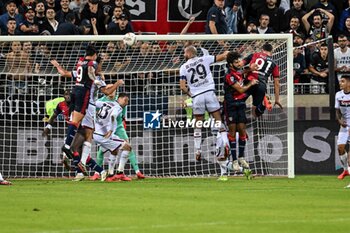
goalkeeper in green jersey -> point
(121, 133)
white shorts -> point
(109, 144)
(343, 136)
(205, 102)
(88, 120)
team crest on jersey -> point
(151, 120)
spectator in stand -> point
(251, 11)
(122, 4)
(51, 23)
(106, 7)
(40, 16)
(61, 14)
(346, 32)
(11, 28)
(234, 16)
(298, 38)
(326, 5)
(29, 26)
(11, 9)
(52, 4)
(77, 6)
(18, 65)
(319, 69)
(120, 27)
(24, 5)
(117, 12)
(294, 26)
(318, 30)
(299, 66)
(86, 27)
(342, 57)
(216, 23)
(251, 27)
(296, 10)
(68, 27)
(90, 11)
(264, 25)
(344, 15)
(278, 21)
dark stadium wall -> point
(168, 16)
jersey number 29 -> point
(197, 73)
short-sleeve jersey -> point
(266, 66)
(94, 87)
(342, 102)
(196, 71)
(82, 74)
(231, 94)
(106, 116)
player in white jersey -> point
(342, 107)
(197, 82)
(105, 126)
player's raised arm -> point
(107, 90)
(61, 70)
(221, 56)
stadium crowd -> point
(307, 20)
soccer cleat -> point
(82, 168)
(67, 152)
(347, 187)
(243, 163)
(66, 162)
(343, 174)
(79, 177)
(122, 177)
(198, 155)
(103, 175)
(96, 176)
(235, 166)
(223, 178)
(5, 182)
(140, 175)
(110, 178)
(247, 173)
(267, 103)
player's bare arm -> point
(91, 73)
(339, 118)
(48, 127)
(61, 70)
(242, 89)
(276, 83)
(184, 88)
(222, 56)
(110, 88)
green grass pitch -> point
(304, 204)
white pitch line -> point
(200, 224)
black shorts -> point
(257, 92)
(81, 99)
(235, 112)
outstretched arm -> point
(109, 90)
(222, 56)
(189, 22)
(61, 70)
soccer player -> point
(121, 133)
(105, 125)
(197, 82)
(54, 109)
(342, 107)
(235, 107)
(266, 68)
(3, 181)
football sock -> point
(223, 167)
(197, 138)
(72, 129)
(133, 161)
(241, 146)
(344, 161)
(111, 164)
(1, 178)
(76, 160)
(233, 146)
(99, 157)
(93, 165)
(86, 151)
(123, 159)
